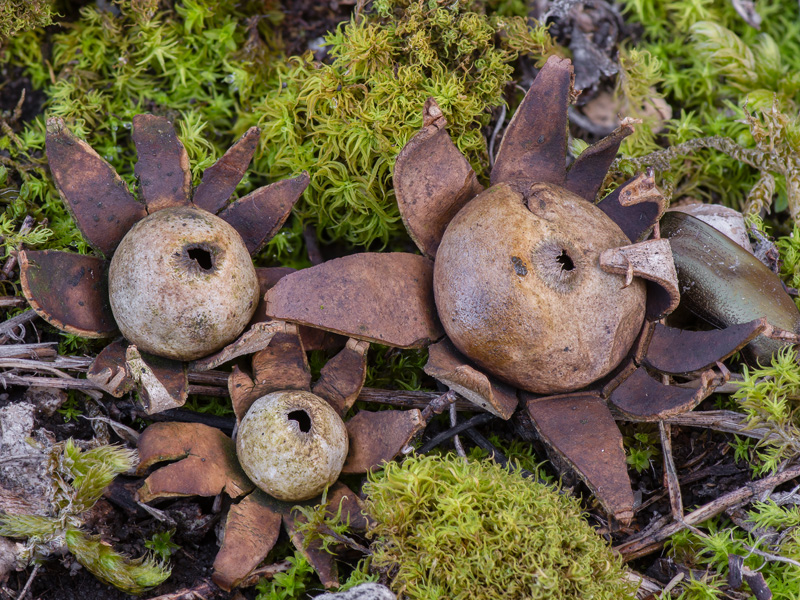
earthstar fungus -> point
(538, 290)
(180, 283)
(207, 464)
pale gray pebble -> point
(365, 591)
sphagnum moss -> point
(451, 528)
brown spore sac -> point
(520, 291)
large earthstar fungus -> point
(529, 292)
(180, 284)
(297, 440)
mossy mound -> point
(345, 122)
(455, 529)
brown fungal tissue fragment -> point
(551, 320)
(650, 260)
(282, 365)
(432, 181)
(587, 173)
(313, 339)
(251, 529)
(221, 178)
(95, 196)
(449, 366)
(636, 206)
(725, 285)
(378, 437)
(68, 290)
(109, 370)
(641, 398)
(322, 561)
(163, 383)
(722, 218)
(260, 214)
(254, 339)
(267, 278)
(535, 143)
(162, 164)
(580, 428)
(207, 463)
(680, 351)
(342, 377)
(378, 297)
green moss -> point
(345, 122)
(711, 65)
(79, 479)
(772, 529)
(768, 396)
(193, 64)
(461, 529)
(17, 16)
(392, 368)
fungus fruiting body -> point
(535, 285)
(292, 444)
(181, 283)
(519, 289)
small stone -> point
(365, 591)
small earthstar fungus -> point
(537, 294)
(290, 445)
(180, 284)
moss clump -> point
(451, 528)
(710, 65)
(23, 15)
(346, 122)
(191, 63)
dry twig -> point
(651, 540)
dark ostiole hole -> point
(565, 261)
(202, 257)
(302, 418)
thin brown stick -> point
(200, 590)
(267, 571)
(7, 327)
(438, 405)
(670, 473)
(651, 541)
(726, 421)
(28, 583)
(34, 351)
(6, 301)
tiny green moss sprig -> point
(452, 528)
(345, 122)
(768, 396)
(78, 480)
(290, 585)
(768, 541)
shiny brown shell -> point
(520, 291)
(182, 284)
